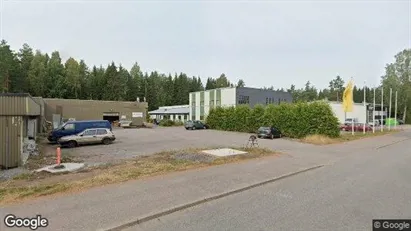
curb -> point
(202, 201)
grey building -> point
(200, 102)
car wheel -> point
(281, 135)
(106, 141)
(72, 144)
(272, 136)
(193, 128)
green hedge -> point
(294, 120)
(170, 123)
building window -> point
(266, 101)
(201, 103)
(179, 117)
(185, 117)
(193, 117)
(211, 103)
(243, 99)
(201, 117)
(218, 103)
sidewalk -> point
(112, 205)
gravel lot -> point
(136, 142)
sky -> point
(265, 43)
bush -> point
(293, 120)
(170, 123)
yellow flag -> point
(348, 97)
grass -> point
(22, 187)
(345, 137)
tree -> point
(72, 80)
(222, 81)
(336, 89)
(397, 76)
(55, 77)
(240, 83)
(25, 56)
(37, 75)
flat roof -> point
(179, 110)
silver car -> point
(88, 136)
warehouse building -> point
(360, 112)
(202, 101)
(56, 109)
(175, 113)
(19, 118)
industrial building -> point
(361, 113)
(175, 113)
(95, 110)
(202, 101)
(22, 117)
(19, 116)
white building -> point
(175, 113)
(359, 112)
(202, 101)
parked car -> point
(195, 124)
(88, 136)
(75, 127)
(269, 132)
(400, 122)
(350, 121)
(372, 124)
(358, 127)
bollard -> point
(58, 161)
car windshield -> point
(261, 129)
(61, 125)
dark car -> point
(74, 127)
(196, 124)
(269, 132)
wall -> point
(11, 138)
(359, 112)
(93, 109)
(259, 96)
(202, 101)
(18, 104)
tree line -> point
(41, 74)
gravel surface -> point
(195, 157)
(10, 173)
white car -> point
(88, 136)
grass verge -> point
(345, 137)
(30, 186)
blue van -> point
(75, 127)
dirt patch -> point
(40, 184)
(345, 137)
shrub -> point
(294, 120)
(166, 123)
(170, 123)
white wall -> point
(359, 112)
(206, 103)
(228, 97)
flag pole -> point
(352, 103)
(382, 109)
(396, 98)
(373, 114)
(365, 108)
(389, 113)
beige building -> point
(96, 110)
(19, 116)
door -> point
(89, 137)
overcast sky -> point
(265, 43)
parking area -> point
(136, 142)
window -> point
(193, 117)
(101, 132)
(266, 101)
(185, 117)
(201, 117)
(69, 127)
(179, 117)
(90, 132)
(218, 103)
(279, 101)
(242, 99)
(201, 103)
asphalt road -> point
(345, 195)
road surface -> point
(345, 195)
